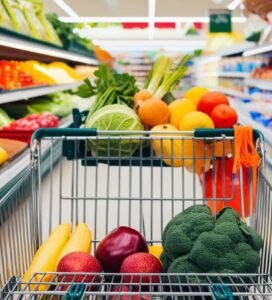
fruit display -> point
(12, 76)
(263, 73)
(27, 17)
(24, 74)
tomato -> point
(228, 185)
(224, 116)
(210, 100)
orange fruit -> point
(180, 109)
(196, 93)
(202, 153)
(142, 96)
(153, 112)
(194, 120)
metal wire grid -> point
(151, 286)
(106, 191)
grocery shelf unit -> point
(18, 47)
(239, 96)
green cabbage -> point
(114, 117)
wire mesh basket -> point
(109, 179)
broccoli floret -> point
(166, 261)
(196, 242)
(181, 232)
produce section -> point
(135, 158)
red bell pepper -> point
(228, 185)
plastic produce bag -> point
(29, 9)
(17, 17)
(4, 17)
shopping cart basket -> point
(108, 179)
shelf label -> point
(220, 20)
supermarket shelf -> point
(11, 96)
(12, 47)
(257, 50)
(16, 168)
(225, 74)
(233, 93)
(261, 84)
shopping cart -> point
(108, 179)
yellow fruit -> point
(180, 110)
(45, 259)
(80, 240)
(196, 93)
(195, 120)
(155, 250)
(173, 104)
(176, 152)
(3, 156)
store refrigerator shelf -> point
(16, 169)
(26, 93)
(225, 74)
(12, 47)
(258, 83)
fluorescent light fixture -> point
(33, 48)
(151, 17)
(142, 19)
(258, 50)
(66, 8)
(234, 4)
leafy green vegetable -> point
(4, 118)
(4, 17)
(162, 80)
(109, 88)
(59, 104)
(114, 118)
(66, 33)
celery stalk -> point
(160, 68)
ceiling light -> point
(234, 4)
(66, 8)
(143, 19)
(259, 50)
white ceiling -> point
(138, 8)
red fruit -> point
(210, 100)
(78, 262)
(141, 263)
(125, 289)
(116, 246)
(224, 116)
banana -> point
(45, 259)
(80, 240)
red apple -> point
(116, 246)
(122, 290)
(141, 263)
(78, 262)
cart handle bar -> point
(84, 132)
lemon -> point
(173, 104)
(180, 109)
(195, 120)
(3, 156)
(196, 93)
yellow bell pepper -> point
(3, 156)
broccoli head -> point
(184, 229)
(202, 244)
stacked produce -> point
(24, 74)
(192, 242)
(12, 76)
(27, 17)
